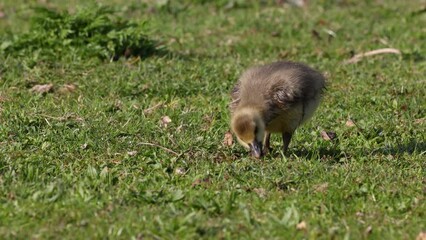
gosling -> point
(274, 98)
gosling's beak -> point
(256, 149)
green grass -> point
(76, 164)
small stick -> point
(359, 56)
(159, 146)
(150, 109)
(62, 118)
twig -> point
(358, 57)
(133, 60)
(159, 146)
(63, 118)
(150, 109)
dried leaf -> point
(67, 88)
(275, 34)
(179, 129)
(104, 173)
(301, 225)
(261, 192)
(180, 171)
(327, 74)
(132, 153)
(283, 54)
(321, 187)
(196, 182)
(368, 230)
(419, 120)
(330, 32)
(421, 236)
(350, 123)
(2, 14)
(228, 140)
(43, 88)
(11, 196)
(3, 99)
(165, 120)
(359, 214)
(205, 181)
(116, 161)
(322, 22)
(328, 136)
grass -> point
(90, 32)
(89, 161)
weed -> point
(90, 32)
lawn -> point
(132, 147)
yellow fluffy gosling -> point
(274, 98)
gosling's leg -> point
(286, 140)
(267, 140)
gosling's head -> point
(248, 125)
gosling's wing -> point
(284, 96)
(293, 88)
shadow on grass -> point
(330, 154)
(142, 53)
(333, 154)
(186, 57)
(410, 147)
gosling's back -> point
(286, 93)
